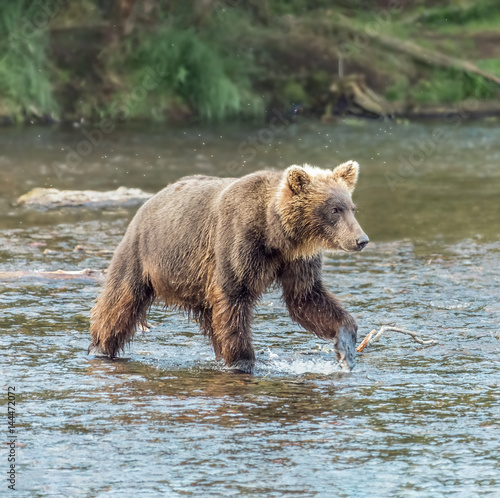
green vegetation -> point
(25, 70)
(445, 86)
(441, 86)
(226, 60)
(194, 72)
(460, 13)
(491, 65)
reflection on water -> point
(166, 420)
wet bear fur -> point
(212, 246)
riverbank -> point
(180, 62)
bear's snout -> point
(362, 242)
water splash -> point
(275, 364)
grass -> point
(451, 86)
(300, 7)
(25, 71)
(490, 65)
(399, 89)
(473, 15)
(196, 72)
(441, 86)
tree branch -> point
(374, 336)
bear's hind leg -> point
(120, 307)
(231, 331)
(204, 316)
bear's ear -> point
(347, 174)
(297, 179)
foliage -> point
(193, 71)
(490, 65)
(298, 7)
(25, 73)
(441, 86)
(399, 89)
(224, 59)
(446, 85)
(461, 14)
(293, 93)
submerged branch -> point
(374, 336)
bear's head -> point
(316, 209)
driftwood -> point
(357, 97)
(374, 336)
(58, 275)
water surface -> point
(410, 420)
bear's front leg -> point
(231, 330)
(317, 310)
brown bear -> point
(212, 246)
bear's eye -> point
(335, 210)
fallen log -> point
(355, 96)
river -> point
(166, 420)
